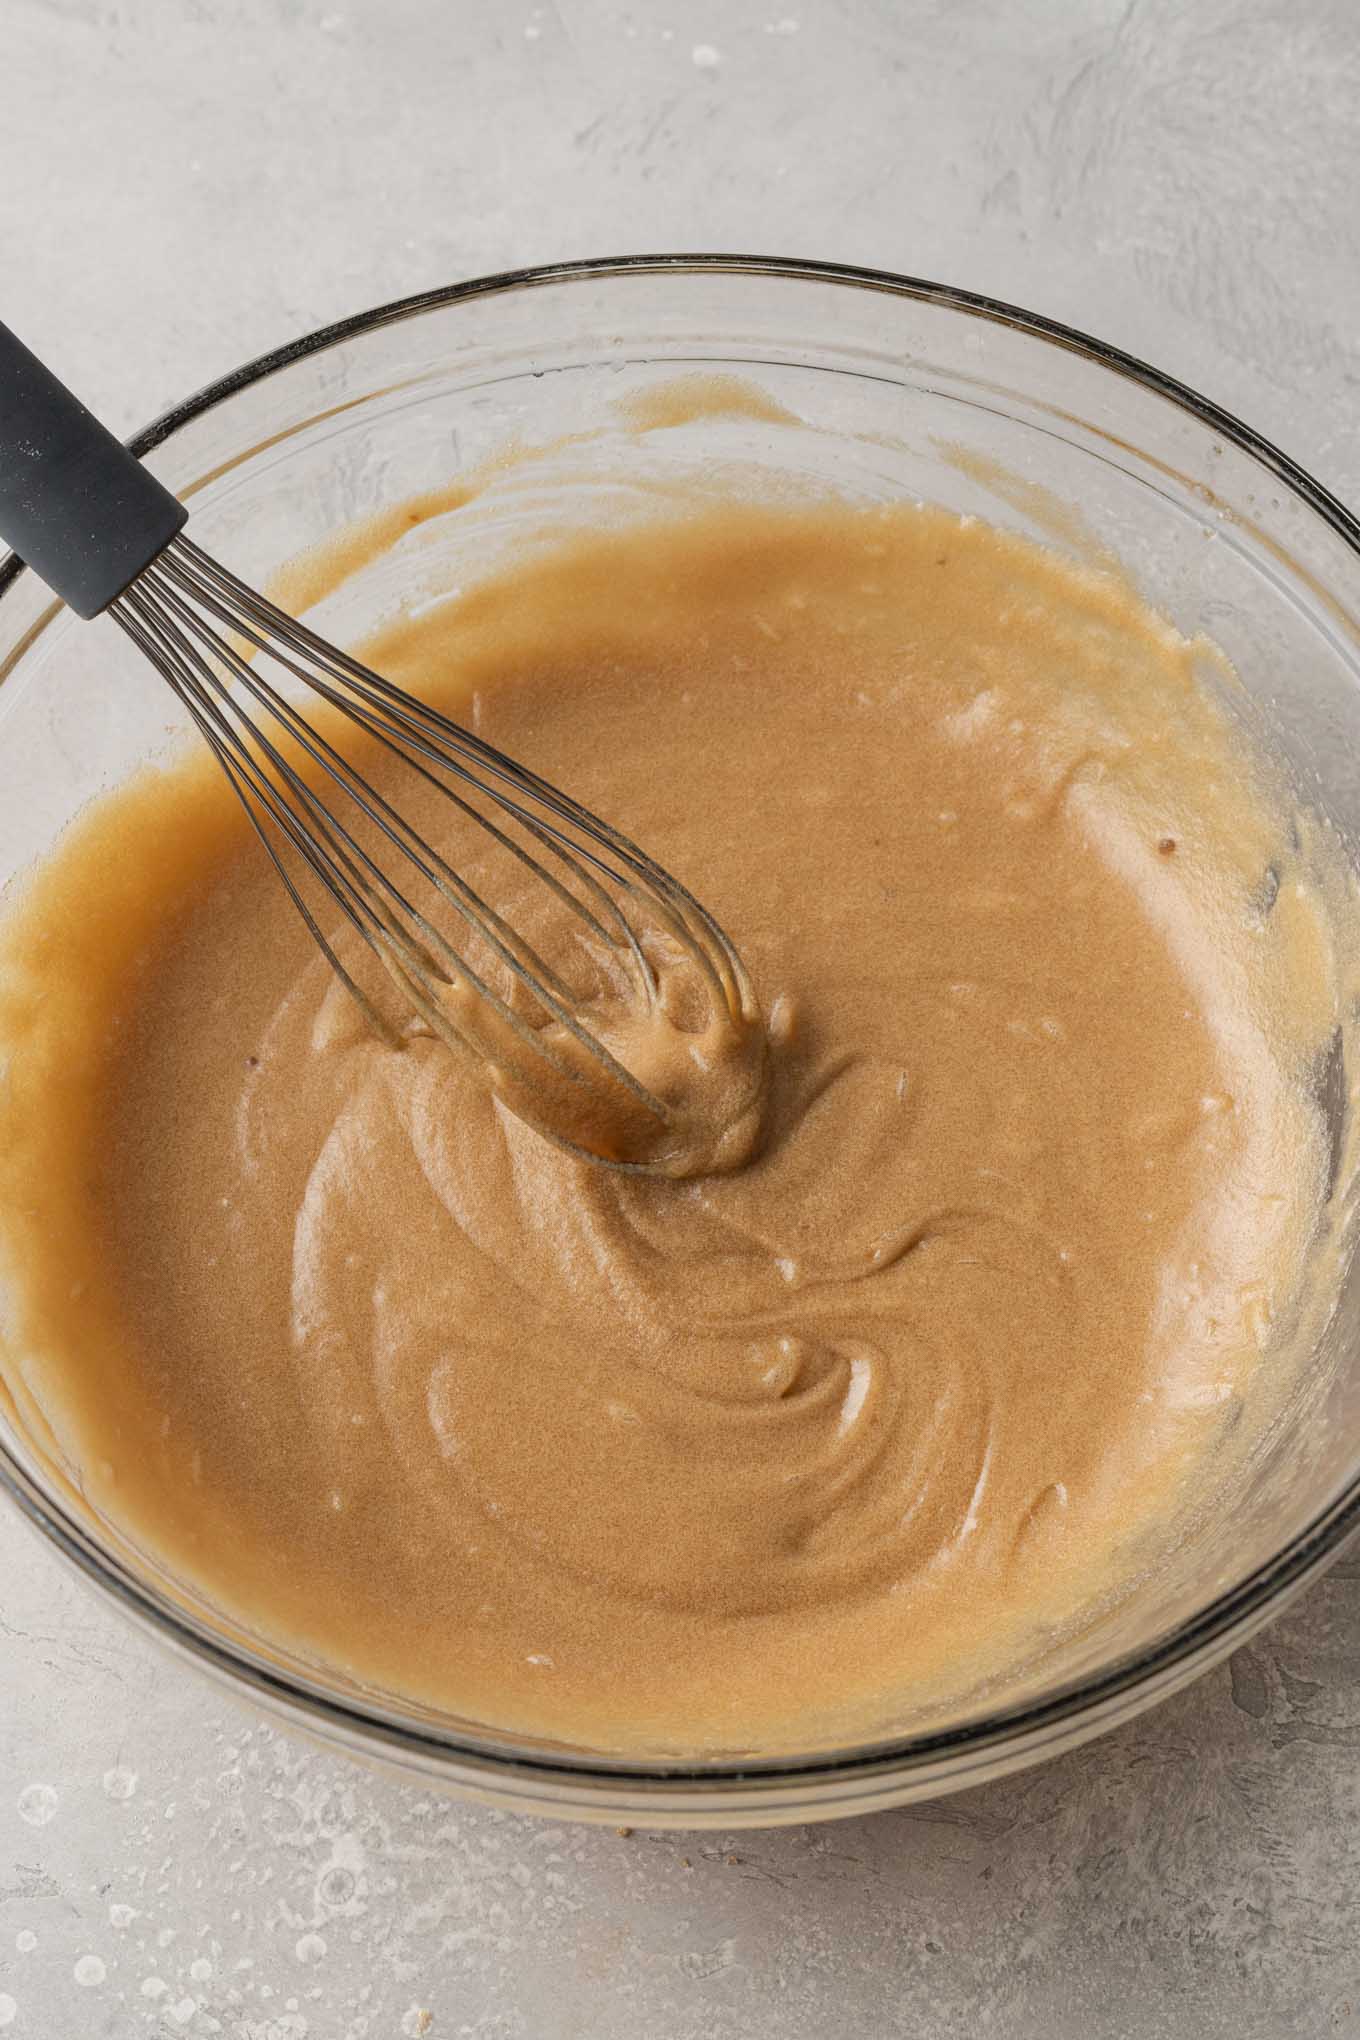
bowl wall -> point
(876, 386)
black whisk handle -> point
(75, 505)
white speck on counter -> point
(704, 57)
(89, 1972)
(120, 1783)
(310, 1948)
(26, 1941)
(9, 2011)
(37, 1804)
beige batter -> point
(749, 1459)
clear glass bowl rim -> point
(1028, 1728)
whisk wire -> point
(458, 750)
(382, 730)
(380, 812)
(205, 717)
(364, 892)
(205, 631)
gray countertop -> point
(186, 182)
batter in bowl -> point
(747, 1460)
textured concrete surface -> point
(186, 182)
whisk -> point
(106, 536)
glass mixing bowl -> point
(896, 387)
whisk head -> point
(568, 1026)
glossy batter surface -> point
(750, 1459)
